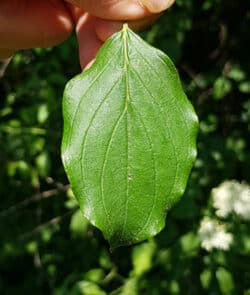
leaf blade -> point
(129, 139)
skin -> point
(44, 23)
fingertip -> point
(58, 27)
(67, 25)
(113, 9)
(88, 65)
(63, 24)
(88, 42)
(76, 12)
(156, 6)
(105, 29)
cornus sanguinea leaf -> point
(129, 139)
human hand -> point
(99, 19)
(44, 23)
(27, 23)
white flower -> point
(232, 196)
(214, 235)
(242, 204)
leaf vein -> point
(106, 157)
(83, 144)
(160, 78)
(154, 168)
(127, 100)
(77, 109)
(172, 141)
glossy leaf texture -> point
(129, 139)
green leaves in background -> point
(129, 139)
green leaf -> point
(94, 275)
(236, 74)
(78, 224)
(225, 281)
(43, 164)
(129, 139)
(43, 113)
(87, 288)
(244, 87)
(130, 287)
(222, 87)
(205, 278)
(189, 244)
(142, 258)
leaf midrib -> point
(127, 99)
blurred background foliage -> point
(47, 247)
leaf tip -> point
(125, 27)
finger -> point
(123, 9)
(92, 31)
(157, 6)
(5, 53)
(105, 28)
(76, 12)
(27, 24)
(88, 41)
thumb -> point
(157, 6)
(122, 9)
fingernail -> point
(156, 6)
